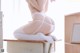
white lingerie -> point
(38, 19)
(19, 34)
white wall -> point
(73, 0)
(72, 7)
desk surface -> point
(31, 41)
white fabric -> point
(41, 14)
(39, 36)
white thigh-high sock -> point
(39, 36)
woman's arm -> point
(34, 4)
(46, 6)
(42, 4)
(32, 9)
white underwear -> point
(42, 14)
(19, 34)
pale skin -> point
(38, 5)
(37, 25)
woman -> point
(40, 23)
